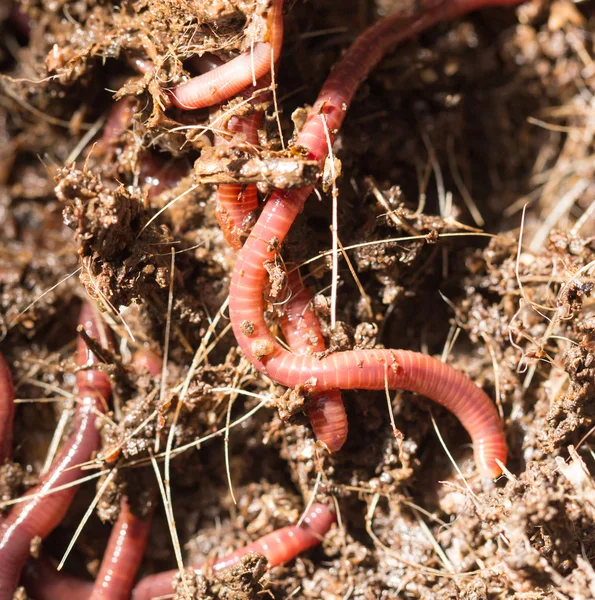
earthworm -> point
(123, 555)
(300, 325)
(6, 410)
(40, 515)
(128, 539)
(358, 369)
(156, 174)
(235, 204)
(301, 329)
(224, 82)
(145, 359)
(119, 119)
(235, 207)
(278, 547)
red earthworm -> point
(40, 515)
(6, 410)
(301, 329)
(119, 119)
(123, 555)
(128, 539)
(236, 205)
(144, 359)
(300, 326)
(156, 174)
(224, 82)
(278, 547)
(364, 369)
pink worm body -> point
(229, 79)
(128, 539)
(300, 325)
(278, 547)
(235, 206)
(363, 369)
(236, 203)
(6, 411)
(40, 515)
(301, 329)
(123, 556)
(119, 120)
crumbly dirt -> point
(470, 149)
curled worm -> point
(38, 516)
(227, 80)
(360, 369)
(278, 547)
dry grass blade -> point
(561, 208)
(335, 222)
(405, 238)
(86, 516)
(65, 416)
(420, 567)
(171, 523)
(166, 207)
(54, 490)
(29, 306)
(311, 499)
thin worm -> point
(6, 411)
(235, 204)
(122, 558)
(359, 369)
(119, 119)
(128, 539)
(232, 77)
(40, 515)
(278, 547)
(145, 359)
(156, 174)
(301, 329)
(235, 207)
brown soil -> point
(490, 112)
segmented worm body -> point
(301, 329)
(364, 369)
(6, 411)
(38, 516)
(122, 558)
(278, 547)
(128, 539)
(224, 82)
(236, 206)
